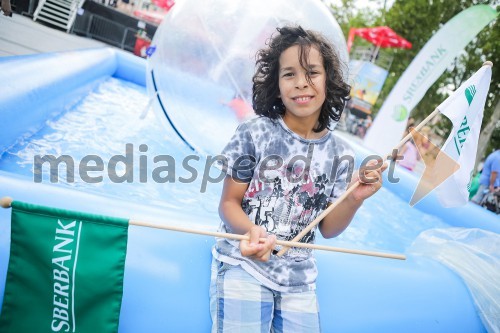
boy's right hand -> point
(255, 249)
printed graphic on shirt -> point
(285, 209)
(290, 180)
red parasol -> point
(379, 36)
(167, 4)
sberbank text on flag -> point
(65, 271)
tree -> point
(487, 140)
(348, 16)
(417, 21)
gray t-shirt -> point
(291, 181)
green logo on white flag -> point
(461, 136)
(469, 93)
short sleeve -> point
(343, 176)
(240, 155)
(495, 165)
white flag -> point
(465, 110)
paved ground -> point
(21, 35)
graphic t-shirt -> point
(291, 181)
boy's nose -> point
(301, 82)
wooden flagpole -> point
(6, 202)
(321, 216)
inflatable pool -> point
(167, 273)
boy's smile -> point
(303, 97)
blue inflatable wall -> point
(167, 274)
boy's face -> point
(302, 99)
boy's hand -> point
(260, 251)
(370, 178)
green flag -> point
(65, 271)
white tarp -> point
(474, 254)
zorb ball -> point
(199, 75)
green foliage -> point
(417, 21)
(349, 17)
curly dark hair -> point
(265, 97)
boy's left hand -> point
(370, 178)
(256, 249)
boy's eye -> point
(287, 74)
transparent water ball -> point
(200, 73)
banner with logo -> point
(65, 271)
(438, 53)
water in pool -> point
(108, 120)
